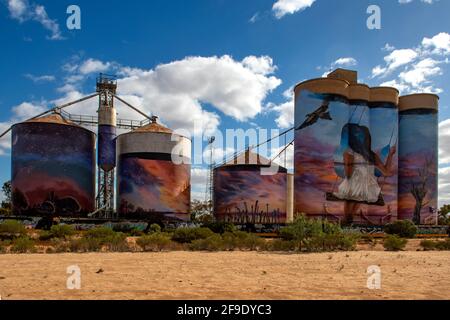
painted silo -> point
(53, 168)
(418, 163)
(151, 185)
(383, 164)
(321, 114)
(247, 191)
(107, 138)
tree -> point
(6, 189)
(419, 190)
(444, 215)
(200, 211)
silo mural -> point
(242, 194)
(345, 150)
(150, 184)
(418, 148)
(384, 129)
(320, 121)
(53, 168)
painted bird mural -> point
(321, 113)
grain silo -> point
(53, 168)
(418, 164)
(384, 141)
(345, 156)
(153, 174)
(321, 112)
(245, 193)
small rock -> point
(100, 271)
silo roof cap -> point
(248, 158)
(154, 127)
(56, 118)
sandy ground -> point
(233, 275)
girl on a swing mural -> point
(360, 165)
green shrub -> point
(282, 245)
(10, 229)
(212, 243)
(394, 243)
(60, 246)
(316, 235)
(443, 245)
(62, 231)
(23, 245)
(154, 228)
(402, 228)
(220, 227)
(155, 242)
(188, 235)
(99, 233)
(85, 245)
(428, 245)
(242, 241)
(116, 242)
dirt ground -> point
(227, 275)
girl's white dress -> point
(362, 186)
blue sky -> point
(227, 63)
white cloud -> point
(345, 62)
(43, 78)
(177, 91)
(444, 186)
(93, 66)
(424, 1)
(284, 110)
(415, 68)
(22, 10)
(285, 7)
(444, 142)
(439, 44)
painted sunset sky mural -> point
(150, 186)
(418, 162)
(52, 174)
(243, 195)
(339, 157)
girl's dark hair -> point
(359, 140)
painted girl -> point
(360, 185)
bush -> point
(312, 235)
(60, 246)
(154, 228)
(11, 229)
(155, 242)
(188, 235)
(282, 245)
(220, 227)
(116, 242)
(99, 233)
(23, 245)
(429, 245)
(242, 241)
(212, 243)
(402, 228)
(62, 231)
(394, 243)
(85, 245)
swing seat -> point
(380, 203)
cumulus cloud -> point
(414, 69)
(282, 8)
(179, 90)
(93, 66)
(22, 11)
